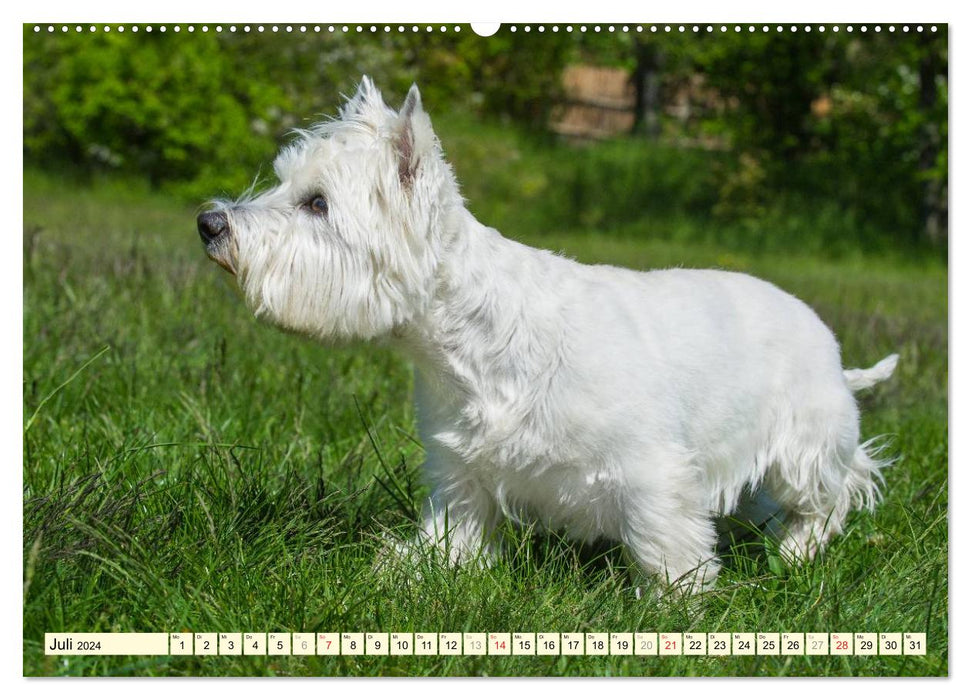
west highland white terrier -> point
(636, 407)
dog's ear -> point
(413, 138)
(367, 94)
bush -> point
(171, 107)
(196, 113)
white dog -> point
(598, 401)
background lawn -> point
(189, 469)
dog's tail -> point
(858, 379)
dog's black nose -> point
(212, 225)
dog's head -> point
(346, 245)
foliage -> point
(198, 112)
(168, 107)
(528, 186)
(856, 120)
(851, 120)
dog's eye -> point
(317, 204)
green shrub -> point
(197, 113)
(173, 108)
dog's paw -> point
(397, 556)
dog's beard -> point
(224, 252)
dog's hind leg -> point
(811, 520)
(820, 472)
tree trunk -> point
(934, 200)
(647, 84)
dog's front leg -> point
(459, 520)
(667, 528)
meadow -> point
(187, 468)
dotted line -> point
(273, 29)
(402, 29)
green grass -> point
(189, 469)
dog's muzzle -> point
(214, 230)
(213, 225)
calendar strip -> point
(256, 644)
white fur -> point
(607, 403)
